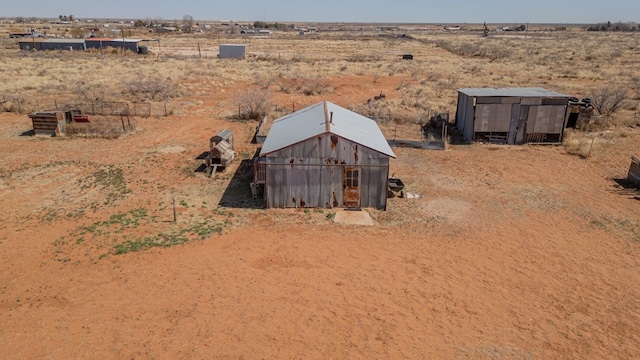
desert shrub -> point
(576, 143)
(90, 92)
(9, 106)
(316, 87)
(100, 127)
(253, 104)
(363, 58)
(151, 87)
(290, 85)
(306, 86)
(264, 81)
(608, 100)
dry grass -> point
(101, 127)
(571, 62)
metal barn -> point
(232, 51)
(31, 43)
(511, 115)
(63, 44)
(101, 43)
(324, 156)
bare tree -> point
(90, 92)
(608, 100)
(187, 23)
(253, 104)
(151, 87)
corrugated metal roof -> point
(98, 39)
(31, 40)
(312, 121)
(65, 41)
(516, 92)
(125, 40)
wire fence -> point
(141, 109)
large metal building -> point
(51, 44)
(324, 156)
(101, 43)
(63, 44)
(511, 115)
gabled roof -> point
(515, 92)
(321, 118)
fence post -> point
(175, 218)
(165, 109)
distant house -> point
(232, 51)
(511, 115)
(323, 156)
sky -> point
(387, 11)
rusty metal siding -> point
(310, 173)
(469, 118)
(492, 117)
(546, 119)
(373, 191)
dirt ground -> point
(511, 252)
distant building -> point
(51, 44)
(30, 43)
(78, 44)
(232, 51)
(15, 35)
(98, 43)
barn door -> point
(351, 185)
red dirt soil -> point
(512, 252)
